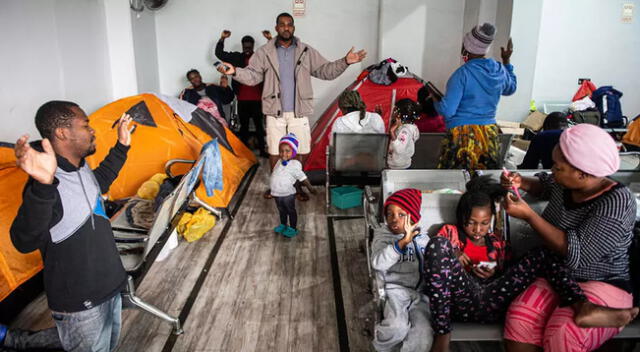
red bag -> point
(585, 90)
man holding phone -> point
(63, 216)
(285, 66)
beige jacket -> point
(263, 67)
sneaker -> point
(290, 232)
(280, 228)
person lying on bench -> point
(483, 294)
(396, 250)
(588, 223)
(403, 134)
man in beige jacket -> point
(285, 66)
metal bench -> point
(356, 159)
(138, 246)
(519, 232)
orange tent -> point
(171, 138)
(15, 267)
(161, 134)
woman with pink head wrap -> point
(589, 220)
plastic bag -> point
(148, 190)
(193, 226)
(585, 90)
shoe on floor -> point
(290, 232)
(280, 228)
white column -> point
(121, 49)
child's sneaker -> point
(290, 232)
(280, 228)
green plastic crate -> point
(346, 197)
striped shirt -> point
(599, 231)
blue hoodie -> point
(473, 92)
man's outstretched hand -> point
(506, 53)
(355, 57)
(41, 166)
(225, 34)
(267, 35)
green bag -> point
(587, 116)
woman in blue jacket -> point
(469, 106)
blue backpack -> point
(607, 101)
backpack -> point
(591, 116)
(607, 101)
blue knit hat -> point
(292, 141)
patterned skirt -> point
(470, 147)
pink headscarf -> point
(590, 149)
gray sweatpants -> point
(405, 326)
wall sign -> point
(299, 7)
(627, 12)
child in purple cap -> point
(283, 177)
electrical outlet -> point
(580, 80)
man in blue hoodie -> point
(469, 106)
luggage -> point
(607, 101)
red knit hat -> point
(409, 200)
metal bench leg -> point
(131, 300)
(211, 209)
(327, 183)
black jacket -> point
(235, 58)
(84, 269)
(216, 93)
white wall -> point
(50, 50)
(399, 21)
(145, 50)
(187, 31)
(586, 38)
(121, 49)
(442, 41)
(525, 29)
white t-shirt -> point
(351, 123)
(402, 148)
(284, 177)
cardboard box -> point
(534, 121)
(521, 144)
(507, 124)
(513, 131)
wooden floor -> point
(262, 292)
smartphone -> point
(487, 265)
(218, 63)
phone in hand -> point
(218, 63)
(487, 265)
